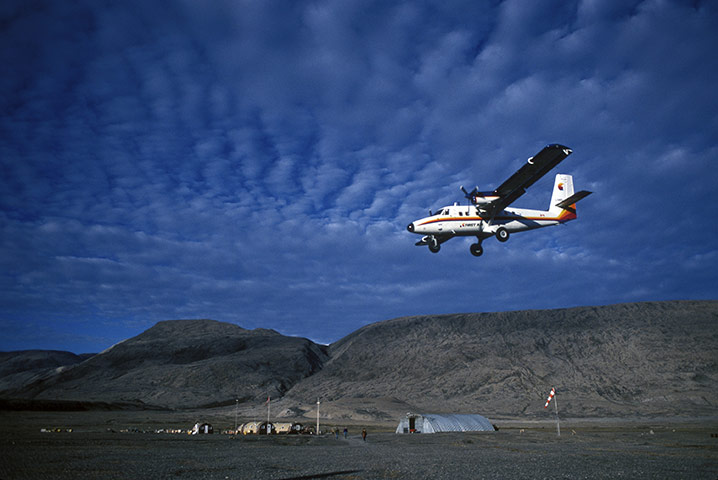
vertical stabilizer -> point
(563, 200)
(562, 189)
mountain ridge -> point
(633, 359)
(183, 363)
(611, 359)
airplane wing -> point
(530, 173)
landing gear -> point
(476, 249)
(434, 245)
(502, 234)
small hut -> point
(201, 428)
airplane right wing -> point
(516, 185)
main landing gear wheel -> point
(476, 249)
(434, 246)
(502, 234)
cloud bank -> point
(257, 162)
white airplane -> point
(488, 215)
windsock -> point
(550, 396)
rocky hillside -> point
(621, 360)
(27, 366)
(185, 363)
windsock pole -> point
(558, 426)
(551, 396)
(318, 402)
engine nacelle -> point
(482, 200)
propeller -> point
(470, 195)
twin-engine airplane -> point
(488, 215)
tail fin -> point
(563, 200)
(562, 189)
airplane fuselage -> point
(457, 220)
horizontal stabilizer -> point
(566, 204)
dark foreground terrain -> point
(586, 449)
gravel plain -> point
(97, 449)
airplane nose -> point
(410, 227)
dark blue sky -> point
(257, 162)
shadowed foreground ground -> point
(596, 450)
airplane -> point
(487, 214)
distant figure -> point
(345, 432)
(363, 434)
(336, 433)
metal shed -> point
(443, 422)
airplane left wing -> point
(530, 173)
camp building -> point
(288, 427)
(257, 428)
(443, 422)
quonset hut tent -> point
(442, 422)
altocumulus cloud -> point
(257, 162)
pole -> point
(318, 402)
(236, 406)
(269, 404)
(555, 404)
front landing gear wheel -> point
(476, 249)
(434, 245)
(502, 234)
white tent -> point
(201, 428)
(442, 422)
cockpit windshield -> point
(443, 211)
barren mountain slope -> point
(620, 360)
(631, 359)
(26, 366)
(186, 363)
